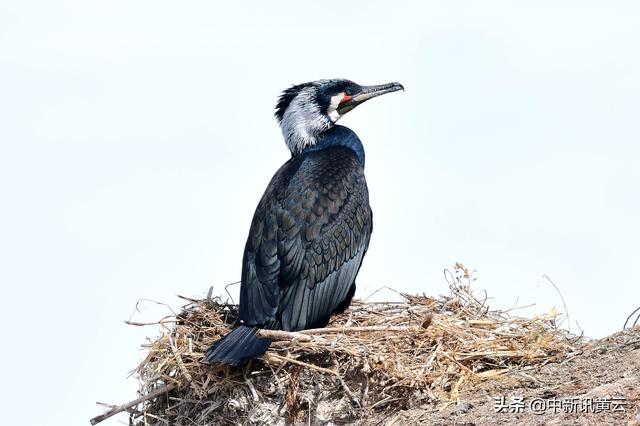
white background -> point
(136, 138)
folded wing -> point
(308, 237)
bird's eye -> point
(347, 92)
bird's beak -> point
(365, 93)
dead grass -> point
(374, 358)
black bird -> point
(312, 226)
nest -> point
(373, 359)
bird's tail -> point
(238, 347)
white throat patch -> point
(332, 111)
(303, 121)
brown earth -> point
(605, 373)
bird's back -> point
(307, 240)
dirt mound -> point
(599, 384)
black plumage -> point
(309, 233)
(307, 240)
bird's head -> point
(306, 110)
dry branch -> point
(363, 329)
(125, 407)
(284, 335)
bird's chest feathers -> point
(339, 136)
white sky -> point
(137, 137)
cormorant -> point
(312, 226)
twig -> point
(226, 289)
(383, 288)
(629, 317)
(137, 306)
(386, 400)
(104, 404)
(153, 416)
(344, 385)
(306, 335)
(130, 404)
(515, 307)
(187, 298)
(360, 329)
(303, 364)
(179, 361)
(284, 335)
(561, 298)
(497, 354)
(144, 324)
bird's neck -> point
(338, 136)
(302, 124)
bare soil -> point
(598, 385)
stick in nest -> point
(130, 404)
